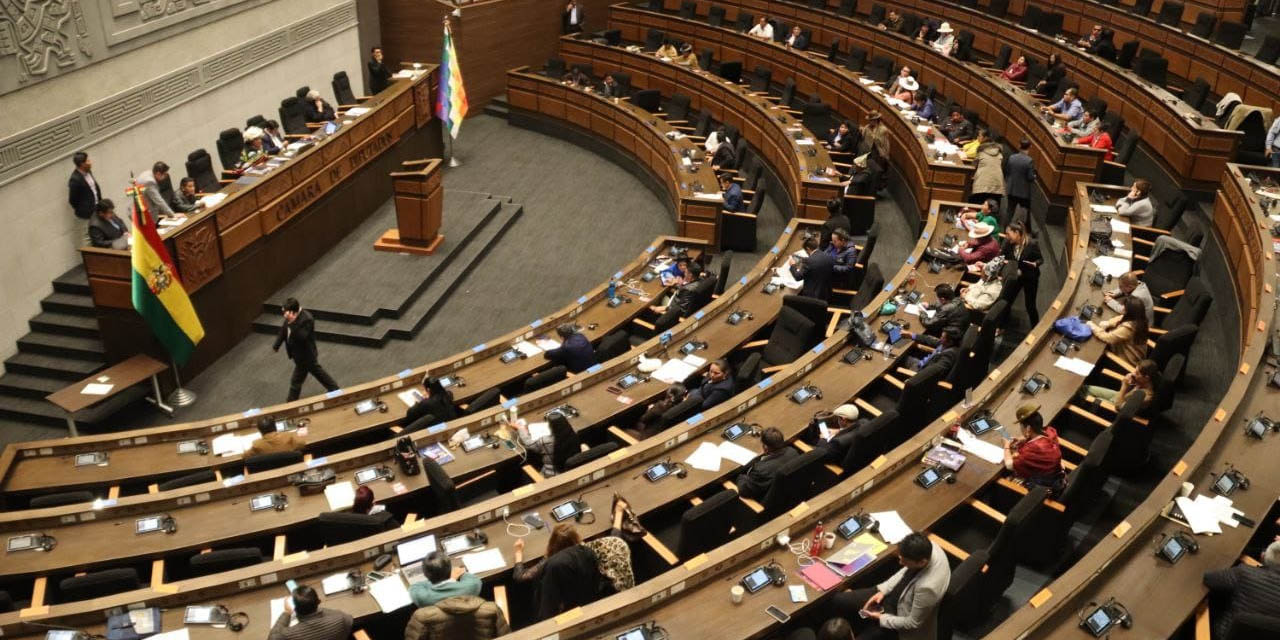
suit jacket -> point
(713, 393)
(754, 482)
(151, 191)
(614, 91)
(733, 198)
(566, 17)
(299, 339)
(817, 271)
(724, 156)
(800, 42)
(917, 614)
(82, 197)
(379, 76)
(844, 259)
(107, 235)
(576, 353)
(1019, 175)
(276, 442)
(570, 578)
(439, 407)
(837, 448)
(946, 358)
(319, 115)
(1252, 590)
(1105, 49)
(845, 144)
(182, 204)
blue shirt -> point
(1273, 133)
(925, 111)
(1074, 110)
(733, 198)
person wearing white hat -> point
(982, 245)
(904, 86)
(945, 39)
(252, 151)
(837, 437)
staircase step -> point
(62, 345)
(39, 364)
(29, 386)
(37, 411)
(77, 304)
(74, 281)
(65, 324)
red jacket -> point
(1099, 140)
(1038, 458)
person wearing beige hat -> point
(1035, 456)
(982, 245)
(945, 40)
(875, 136)
(837, 438)
(252, 151)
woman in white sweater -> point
(1137, 205)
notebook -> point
(820, 576)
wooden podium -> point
(419, 197)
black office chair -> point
(1196, 93)
(1002, 58)
(910, 25)
(1168, 272)
(846, 8)
(964, 45)
(61, 499)
(1082, 492)
(256, 121)
(655, 5)
(624, 82)
(1154, 69)
(1113, 124)
(706, 60)
(1252, 147)
(877, 14)
(1098, 105)
(199, 477)
(1131, 440)
(707, 525)
(793, 334)
(302, 92)
(688, 9)
(738, 228)
(1190, 309)
(788, 94)
(961, 605)
(98, 584)
(203, 564)
(200, 169)
(653, 39)
(1203, 27)
(648, 99)
(6, 602)
(745, 21)
(444, 493)
(612, 346)
(1175, 342)
(871, 285)
(1253, 626)
(793, 484)
(917, 402)
(1166, 385)
(760, 79)
(1031, 17)
(1141, 8)
(612, 37)
(715, 16)
(1050, 23)
(1016, 534)
(857, 59)
(555, 68)
(342, 92)
(1269, 52)
(1124, 57)
(680, 411)
(726, 263)
(293, 116)
(487, 399)
(833, 52)
(731, 71)
(267, 461)
(881, 69)
(590, 455)
(820, 5)
(338, 527)
(998, 8)
(1230, 34)
(1170, 13)
(545, 378)
(230, 143)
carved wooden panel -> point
(199, 259)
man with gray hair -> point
(1247, 590)
(443, 580)
(317, 109)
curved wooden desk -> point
(1122, 565)
(927, 176)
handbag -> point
(312, 481)
(406, 456)
(1073, 327)
(1100, 233)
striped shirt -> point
(324, 624)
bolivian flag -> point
(158, 294)
(451, 96)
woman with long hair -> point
(1125, 334)
(573, 573)
(555, 448)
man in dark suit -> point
(575, 351)
(841, 425)
(82, 189)
(1248, 590)
(571, 20)
(716, 386)
(318, 110)
(949, 314)
(815, 270)
(106, 229)
(797, 40)
(732, 194)
(609, 87)
(379, 74)
(688, 298)
(298, 335)
(945, 352)
(836, 219)
(757, 477)
(1019, 175)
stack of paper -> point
(336, 583)
(694, 361)
(341, 495)
(356, 112)
(527, 348)
(213, 199)
(176, 634)
(1102, 208)
(736, 452)
(1114, 267)
(96, 389)
(706, 457)
(892, 527)
(979, 447)
(546, 343)
(483, 561)
(1119, 226)
(230, 444)
(390, 593)
(539, 430)
(1074, 365)
(673, 371)
(1206, 515)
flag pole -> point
(444, 122)
(180, 397)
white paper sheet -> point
(176, 634)
(922, 128)
(227, 444)
(1074, 365)
(709, 196)
(1123, 253)
(1202, 520)
(336, 583)
(673, 371)
(539, 430)
(96, 389)
(797, 593)
(277, 608)
(356, 112)
(1111, 266)
(390, 594)
(1102, 208)
(482, 561)
(410, 397)
(341, 495)
(866, 81)
(912, 309)
(892, 527)
(694, 361)
(527, 348)
(547, 344)
(213, 199)
(1119, 226)
(805, 142)
(706, 457)
(736, 452)
(979, 447)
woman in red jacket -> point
(1099, 139)
(1017, 72)
(1036, 456)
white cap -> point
(846, 411)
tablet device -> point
(928, 478)
(1226, 484)
(855, 354)
(757, 580)
(1033, 385)
(509, 356)
(615, 302)
(448, 381)
(1258, 427)
(566, 510)
(981, 425)
(473, 443)
(803, 394)
(89, 459)
(188, 446)
(453, 545)
(414, 550)
(628, 381)
(365, 476)
(657, 472)
(638, 633)
(366, 406)
(284, 425)
(205, 614)
(1172, 549)
(734, 431)
(1099, 622)
(147, 525)
(689, 347)
(262, 502)
(851, 527)
(23, 543)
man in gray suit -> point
(1019, 175)
(150, 183)
(906, 605)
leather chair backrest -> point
(1015, 533)
(266, 461)
(1051, 23)
(203, 564)
(230, 144)
(1141, 8)
(1154, 69)
(199, 477)
(915, 404)
(302, 92)
(293, 116)
(706, 59)
(1131, 440)
(594, 453)
(653, 39)
(870, 441)
(1176, 341)
(255, 121)
(200, 169)
(847, 7)
(877, 14)
(833, 51)
(342, 88)
(857, 59)
(1124, 57)
(679, 412)
(586, 68)
(791, 337)
(688, 9)
(1169, 271)
(1204, 24)
(6, 602)
(1084, 484)
(794, 483)
(1252, 626)
(678, 107)
(1269, 52)
(648, 99)
(788, 92)
(963, 604)
(613, 345)
(1031, 16)
(60, 499)
(745, 21)
(998, 8)
(1002, 58)
(98, 584)
(812, 308)
(707, 525)
(1170, 13)
(443, 490)
(545, 378)
(623, 80)
(715, 16)
(726, 263)
(338, 527)
(612, 37)
(1230, 34)
(872, 282)
(1196, 94)
(488, 398)
(1167, 384)
(760, 78)
(555, 68)
(1191, 307)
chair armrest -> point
(295, 136)
(754, 344)
(361, 634)
(677, 122)
(835, 320)
(894, 381)
(867, 406)
(986, 509)
(1010, 484)
(1118, 361)
(1173, 294)
(1073, 447)
(661, 549)
(906, 372)
(1153, 230)
(773, 369)
(531, 472)
(951, 549)
(644, 324)
(1157, 330)
(946, 385)
(622, 435)
(344, 107)
(751, 504)
(1113, 375)
(1142, 241)
(1203, 625)
(740, 214)
(1089, 415)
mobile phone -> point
(510, 356)
(473, 443)
(534, 520)
(657, 472)
(777, 614)
(188, 446)
(147, 525)
(284, 425)
(566, 510)
(980, 426)
(365, 476)
(734, 431)
(88, 459)
(262, 502)
(291, 585)
(366, 406)
(22, 543)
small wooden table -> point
(120, 376)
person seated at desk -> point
(732, 194)
(317, 109)
(609, 87)
(892, 22)
(576, 77)
(757, 477)
(945, 352)
(438, 403)
(957, 128)
(716, 387)
(949, 313)
(185, 200)
(253, 151)
(796, 40)
(106, 229)
(379, 74)
(836, 219)
(832, 629)
(668, 49)
(922, 105)
(313, 623)
(1086, 125)
(840, 139)
(840, 427)
(1055, 71)
(1129, 286)
(1035, 456)
(985, 214)
(946, 40)
(1247, 590)
(686, 295)
(458, 618)
(1104, 47)
(1099, 139)
(982, 245)
(273, 441)
(364, 503)
(273, 141)
(1067, 109)
(686, 57)
(651, 421)
(680, 272)
(442, 580)
(575, 351)
(762, 29)
(906, 605)
(573, 573)
(725, 155)
(1086, 41)
(980, 295)
(149, 182)
(555, 448)
(1017, 71)
(1125, 335)
(924, 34)
(1142, 378)
(712, 143)
(843, 254)
(904, 87)
(1136, 205)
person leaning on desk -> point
(1125, 334)
(106, 229)
(273, 441)
(573, 573)
(314, 623)
(759, 475)
(438, 403)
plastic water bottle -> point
(815, 547)
(613, 289)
